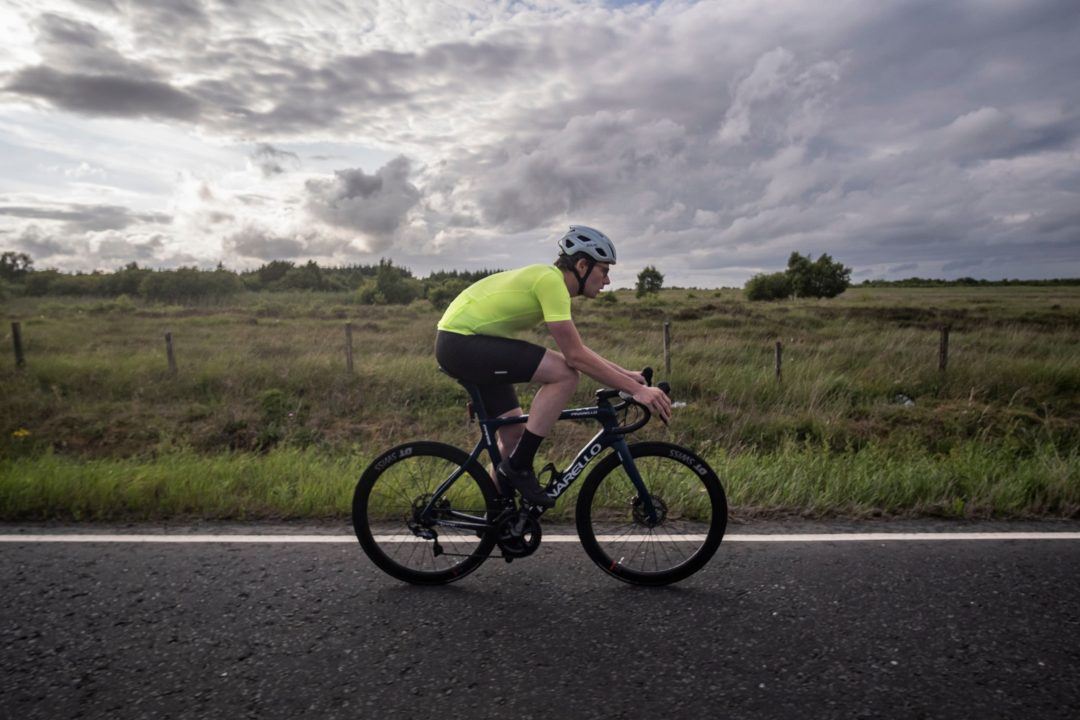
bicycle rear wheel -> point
(691, 509)
(387, 505)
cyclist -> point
(475, 343)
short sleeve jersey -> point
(506, 303)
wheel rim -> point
(392, 506)
(622, 532)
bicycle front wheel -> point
(388, 505)
(691, 515)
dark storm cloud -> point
(373, 204)
(162, 19)
(74, 45)
(41, 245)
(104, 94)
(85, 218)
(241, 73)
(105, 6)
(119, 248)
(272, 161)
(262, 244)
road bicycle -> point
(649, 513)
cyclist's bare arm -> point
(585, 360)
(635, 376)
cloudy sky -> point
(936, 138)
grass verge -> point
(970, 481)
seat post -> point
(474, 397)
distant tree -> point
(125, 281)
(649, 281)
(15, 266)
(390, 286)
(273, 271)
(305, 277)
(773, 286)
(821, 278)
(189, 285)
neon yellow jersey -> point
(508, 302)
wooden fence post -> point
(16, 336)
(667, 348)
(943, 349)
(169, 353)
(779, 354)
(348, 347)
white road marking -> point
(784, 538)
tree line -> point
(382, 283)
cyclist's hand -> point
(656, 400)
(637, 377)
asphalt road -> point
(958, 629)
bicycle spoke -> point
(388, 506)
(639, 546)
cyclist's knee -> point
(555, 370)
(568, 374)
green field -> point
(262, 418)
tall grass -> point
(971, 481)
(265, 374)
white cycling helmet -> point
(592, 242)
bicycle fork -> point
(623, 451)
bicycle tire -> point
(615, 534)
(383, 505)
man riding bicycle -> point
(475, 344)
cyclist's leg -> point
(501, 401)
(509, 435)
(558, 381)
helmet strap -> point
(581, 279)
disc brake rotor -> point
(641, 516)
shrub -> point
(441, 294)
(821, 278)
(608, 297)
(189, 284)
(773, 286)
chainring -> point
(519, 535)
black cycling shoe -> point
(525, 482)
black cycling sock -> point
(525, 452)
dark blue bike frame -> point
(609, 436)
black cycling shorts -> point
(492, 363)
